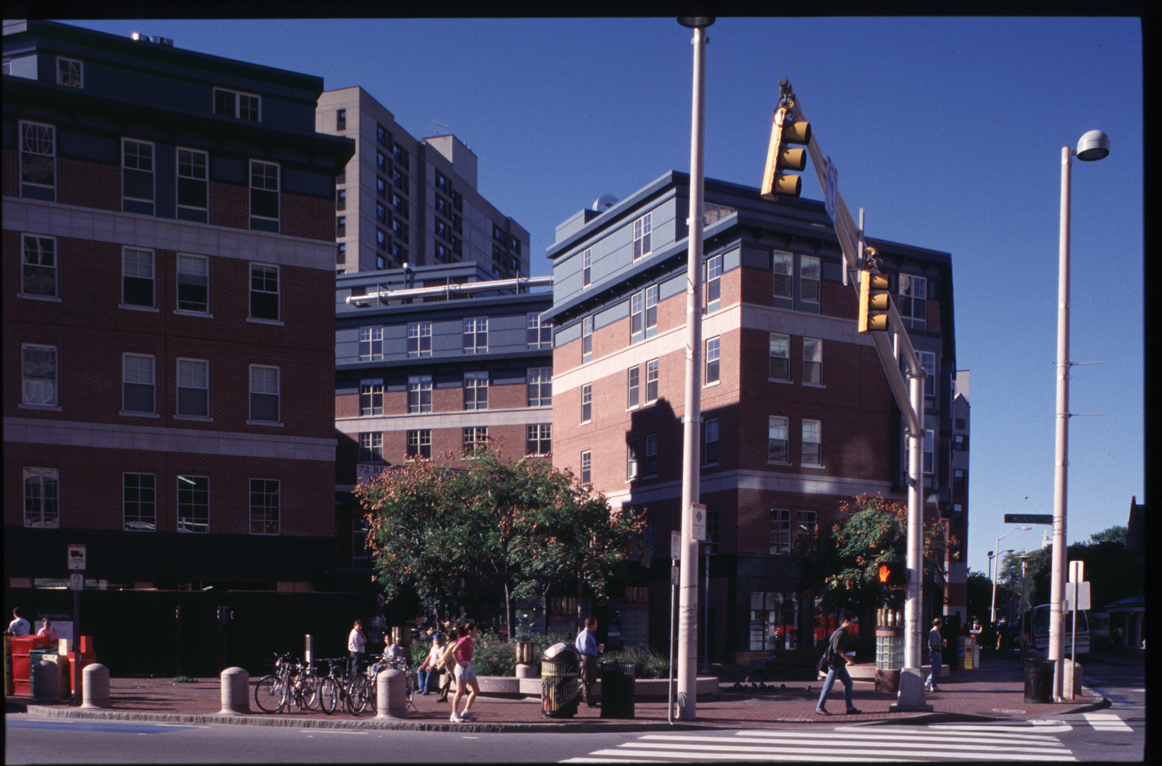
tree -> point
(980, 594)
(521, 525)
(844, 560)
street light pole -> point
(692, 420)
(993, 611)
(1094, 145)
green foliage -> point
(522, 526)
(1114, 534)
(184, 680)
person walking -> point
(446, 685)
(357, 645)
(431, 664)
(19, 626)
(465, 676)
(840, 653)
(586, 644)
(936, 643)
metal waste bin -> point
(618, 687)
(560, 671)
(1038, 680)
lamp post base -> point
(911, 696)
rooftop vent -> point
(604, 202)
(138, 37)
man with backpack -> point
(840, 653)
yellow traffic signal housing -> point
(873, 302)
(781, 158)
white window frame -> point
(138, 263)
(780, 531)
(913, 289)
(652, 376)
(537, 437)
(263, 272)
(237, 105)
(41, 258)
(371, 397)
(540, 386)
(813, 362)
(188, 377)
(586, 472)
(266, 381)
(928, 362)
(586, 339)
(135, 373)
(474, 437)
(418, 386)
(778, 433)
(33, 144)
(812, 434)
(189, 278)
(713, 361)
(632, 459)
(190, 175)
(710, 436)
(419, 336)
(475, 391)
(265, 187)
(643, 236)
(586, 403)
(811, 271)
(141, 525)
(538, 334)
(651, 315)
(46, 500)
(39, 390)
(265, 523)
(190, 524)
(371, 447)
(134, 164)
(419, 443)
(73, 76)
(633, 387)
(780, 348)
(783, 271)
(587, 267)
(807, 523)
(371, 343)
(475, 335)
(713, 283)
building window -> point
(136, 277)
(928, 362)
(137, 383)
(371, 447)
(476, 335)
(38, 274)
(540, 334)
(539, 439)
(380, 262)
(340, 199)
(381, 239)
(636, 316)
(813, 361)
(780, 532)
(42, 497)
(341, 255)
(958, 480)
(400, 230)
(419, 443)
(960, 442)
(642, 236)
(400, 180)
(70, 72)
(712, 346)
(419, 339)
(264, 506)
(264, 291)
(651, 455)
(264, 188)
(780, 357)
(586, 339)
(381, 187)
(341, 226)
(380, 213)
(774, 621)
(631, 459)
(633, 384)
(586, 468)
(809, 269)
(812, 442)
(341, 119)
(371, 397)
(193, 388)
(808, 522)
(587, 267)
(264, 393)
(37, 161)
(419, 394)
(714, 283)
(242, 106)
(710, 449)
(193, 185)
(192, 283)
(651, 381)
(783, 266)
(359, 554)
(40, 375)
(370, 344)
(913, 303)
(475, 437)
(777, 451)
(381, 134)
(193, 504)
(137, 176)
(586, 402)
(140, 502)
(400, 155)
(651, 311)
(476, 390)
(540, 386)
(400, 205)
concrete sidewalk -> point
(994, 692)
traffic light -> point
(873, 302)
(782, 158)
(892, 575)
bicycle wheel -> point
(412, 685)
(311, 686)
(268, 694)
(328, 695)
(357, 695)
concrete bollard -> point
(391, 694)
(235, 692)
(45, 682)
(95, 687)
(526, 671)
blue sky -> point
(947, 131)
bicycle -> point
(341, 686)
(388, 662)
(270, 694)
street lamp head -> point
(697, 22)
(1094, 145)
(1026, 529)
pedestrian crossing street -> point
(1035, 741)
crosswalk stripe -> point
(1107, 722)
(934, 737)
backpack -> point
(824, 664)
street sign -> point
(1077, 592)
(76, 581)
(1028, 518)
(698, 529)
(77, 557)
(675, 545)
(832, 190)
(1076, 571)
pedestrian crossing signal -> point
(892, 575)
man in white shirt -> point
(357, 644)
(587, 647)
(19, 626)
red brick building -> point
(168, 276)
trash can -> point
(560, 671)
(618, 687)
(1038, 680)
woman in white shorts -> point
(465, 676)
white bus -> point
(1037, 632)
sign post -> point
(76, 564)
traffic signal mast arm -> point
(895, 343)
